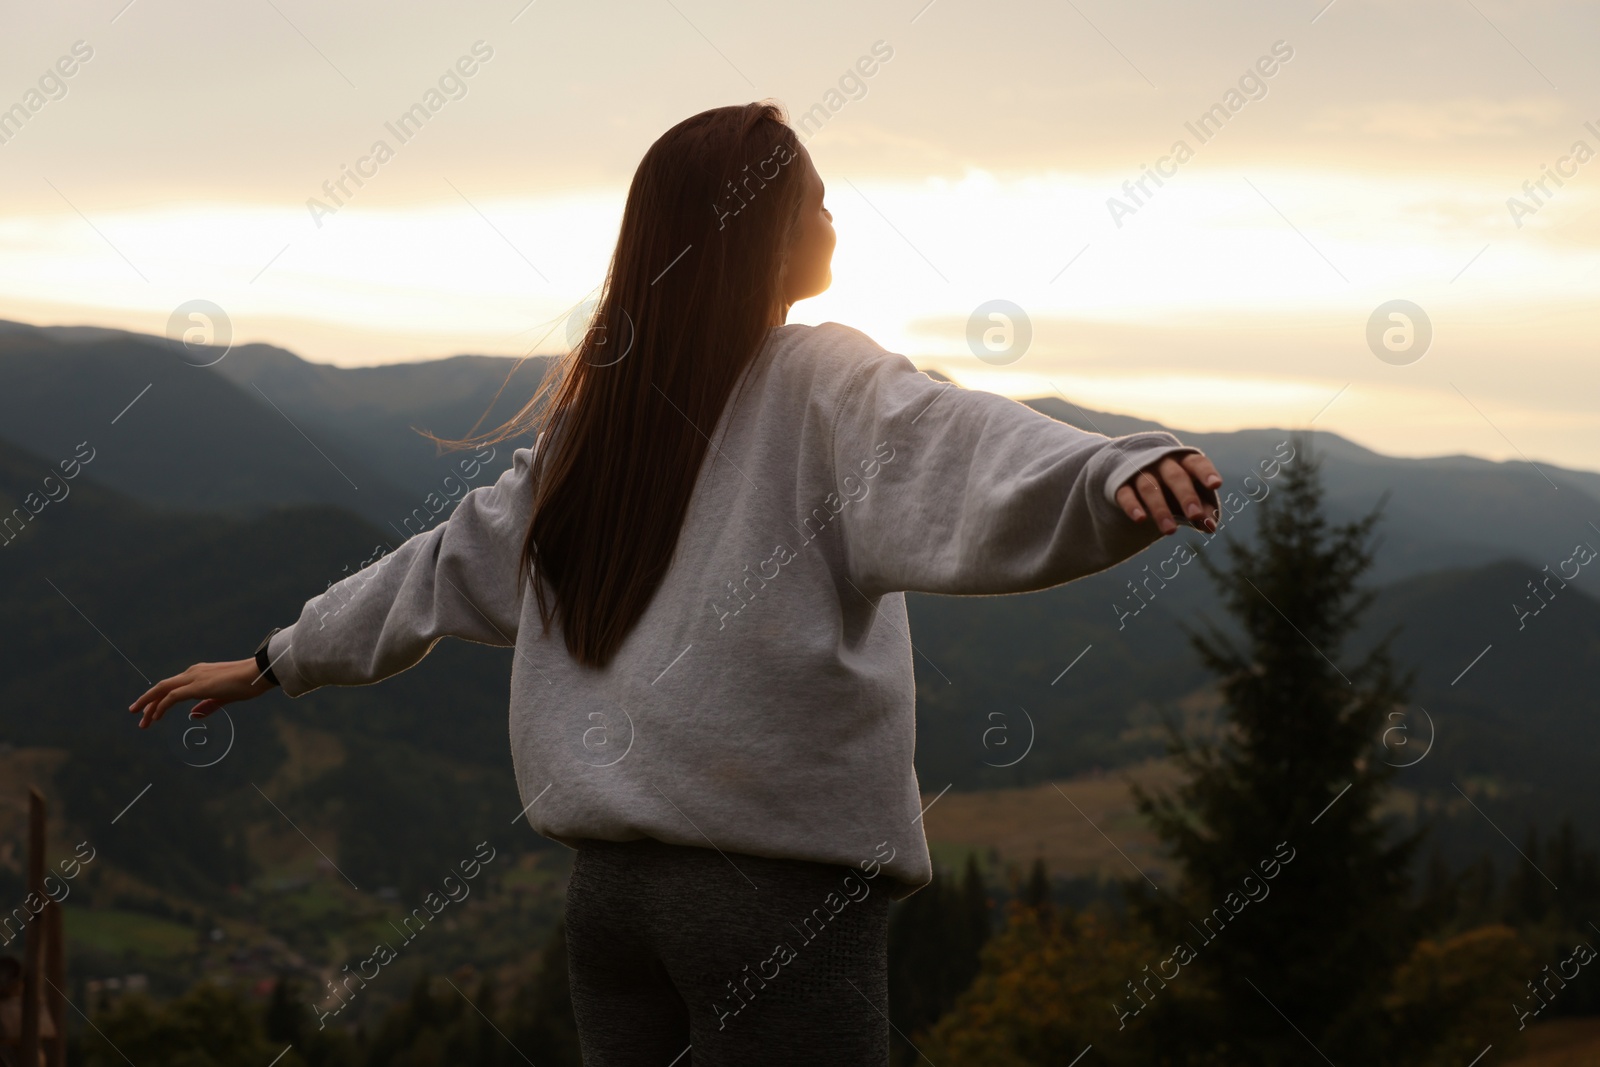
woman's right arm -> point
(457, 579)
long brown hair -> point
(627, 413)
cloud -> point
(1445, 120)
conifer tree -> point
(975, 897)
(285, 1017)
(935, 936)
(1036, 891)
(1294, 900)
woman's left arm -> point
(964, 492)
(458, 579)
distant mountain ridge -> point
(264, 427)
(173, 435)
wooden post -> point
(33, 955)
(55, 969)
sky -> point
(1047, 155)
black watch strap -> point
(263, 663)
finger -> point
(1202, 468)
(163, 688)
(1155, 501)
(157, 691)
(148, 714)
(152, 714)
(204, 708)
(157, 710)
(1181, 483)
(1128, 501)
(1209, 481)
(183, 692)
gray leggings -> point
(681, 955)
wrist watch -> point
(263, 663)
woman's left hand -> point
(1189, 482)
(213, 684)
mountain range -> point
(218, 498)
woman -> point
(712, 697)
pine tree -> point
(1294, 902)
(285, 1018)
(1527, 892)
(975, 898)
(1480, 903)
(1554, 921)
(1036, 891)
(406, 1025)
(935, 936)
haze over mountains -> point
(220, 498)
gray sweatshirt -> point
(765, 701)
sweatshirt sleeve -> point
(959, 491)
(457, 579)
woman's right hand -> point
(213, 684)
